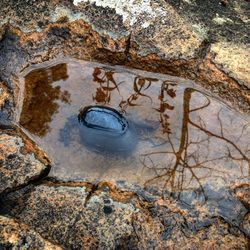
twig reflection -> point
(185, 162)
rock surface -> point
(75, 218)
(19, 236)
(207, 41)
(6, 105)
(234, 60)
(18, 167)
(194, 39)
(77, 215)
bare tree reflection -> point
(139, 86)
(105, 78)
(40, 101)
(167, 90)
(188, 160)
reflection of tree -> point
(188, 160)
(139, 86)
(107, 84)
(105, 78)
(40, 98)
(166, 91)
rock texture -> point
(234, 60)
(74, 217)
(6, 105)
(18, 236)
(207, 41)
(78, 215)
(18, 166)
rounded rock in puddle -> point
(106, 130)
(103, 118)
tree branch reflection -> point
(183, 171)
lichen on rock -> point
(19, 236)
(17, 168)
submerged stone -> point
(103, 118)
(106, 130)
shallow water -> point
(183, 138)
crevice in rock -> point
(92, 191)
(128, 46)
(204, 49)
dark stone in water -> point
(103, 118)
(105, 130)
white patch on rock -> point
(130, 10)
(221, 20)
(188, 1)
(63, 11)
(201, 30)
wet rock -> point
(143, 34)
(106, 130)
(19, 236)
(103, 118)
(72, 216)
(216, 202)
(150, 35)
(18, 166)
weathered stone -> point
(166, 227)
(150, 35)
(6, 111)
(203, 40)
(78, 215)
(154, 27)
(4, 95)
(152, 32)
(242, 192)
(19, 236)
(73, 217)
(234, 60)
(18, 164)
(219, 20)
(103, 118)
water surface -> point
(184, 138)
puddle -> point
(183, 139)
